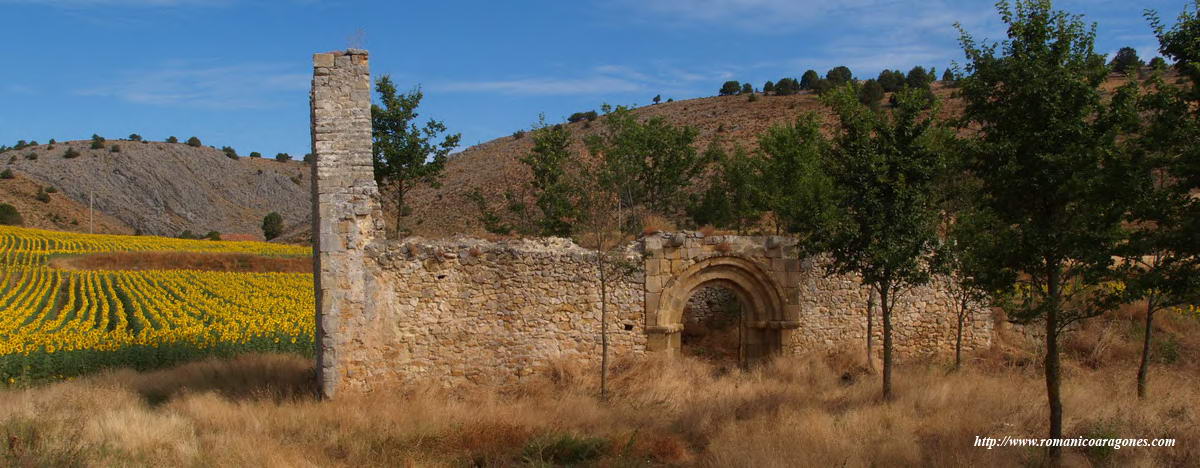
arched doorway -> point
(763, 326)
(714, 325)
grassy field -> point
(167, 305)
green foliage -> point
(948, 75)
(1179, 43)
(787, 87)
(97, 141)
(870, 94)
(747, 88)
(9, 216)
(172, 139)
(135, 137)
(732, 198)
(52, 141)
(519, 134)
(272, 225)
(823, 86)
(487, 216)
(581, 116)
(752, 97)
(891, 80)
(768, 87)
(115, 148)
(229, 152)
(69, 154)
(51, 189)
(792, 179)
(730, 88)
(213, 235)
(6, 174)
(283, 157)
(809, 79)
(255, 154)
(1158, 64)
(657, 98)
(839, 75)
(405, 155)
(649, 163)
(42, 196)
(1126, 60)
(918, 78)
(548, 162)
(563, 450)
(194, 142)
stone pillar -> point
(346, 210)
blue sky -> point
(236, 72)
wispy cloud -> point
(603, 80)
(187, 84)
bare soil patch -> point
(245, 263)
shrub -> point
(70, 153)
(115, 149)
(918, 78)
(172, 139)
(6, 174)
(730, 88)
(891, 80)
(870, 93)
(657, 98)
(768, 87)
(787, 87)
(97, 141)
(308, 158)
(51, 189)
(747, 88)
(213, 235)
(229, 152)
(838, 75)
(272, 225)
(519, 134)
(1126, 60)
(52, 141)
(135, 137)
(283, 157)
(1156, 63)
(752, 97)
(823, 86)
(42, 196)
(33, 156)
(9, 216)
(194, 142)
(808, 79)
(948, 75)
(255, 154)
(563, 450)
(581, 116)
(187, 234)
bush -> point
(213, 235)
(272, 225)
(6, 174)
(255, 154)
(809, 79)
(283, 157)
(172, 139)
(891, 80)
(1126, 60)
(918, 78)
(97, 141)
(194, 142)
(752, 97)
(308, 158)
(581, 116)
(563, 450)
(730, 88)
(42, 196)
(70, 153)
(519, 134)
(948, 75)
(768, 87)
(747, 88)
(9, 216)
(1156, 63)
(51, 189)
(135, 137)
(823, 86)
(32, 156)
(52, 141)
(787, 87)
(115, 149)
(229, 152)
(838, 75)
(870, 93)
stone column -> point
(346, 209)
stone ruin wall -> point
(465, 311)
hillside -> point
(159, 188)
(61, 213)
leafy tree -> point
(97, 141)
(272, 225)
(1050, 184)
(283, 157)
(732, 198)
(1179, 43)
(405, 155)
(1126, 61)
(768, 87)
(52, 141)
(1158, 64)
(135, 137)
(194, 142)
(747, 88)
(948, 75)
(255, 154)
(9, 216)
(308, 158)
(657, 98)
(581, 116)
(870, 94)
(548, 162)
(229, 152)
(792, 182)
(70, 153)
(809, 79)
(823, 86)
(839, 75)
(885, 170)
(787, 87)
(651, 162)
(891, 80)
(730, 88)
(212, 235)
(918, 78)
(172, 139)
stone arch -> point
(766, 318)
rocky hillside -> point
(160, 188)
(55, 210)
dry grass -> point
(238, 262)
(261, 411)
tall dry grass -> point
(235, 262)
(262, 411)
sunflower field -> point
(61, 323)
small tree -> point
(870, 94)
(747, 88)
(839, 75)
(308, 158)
(194, 142)
(732, 198)
(9, 216)
(548, 162)
(255, 154)
(272, 225)
(6, 174)
(809, 79)
(918, 78)
(283, 157)
(172, 139)
(792, 182)
(229, 152)
(787, 87)
(115, 148)
(97, 141)
(42, 196)
(212, 235)
(948, 75)
(69, 154)
(404, 154)
(1126, 61)
(730, 88)
(135, 137)
(768, 87)
(891, 80)
(657, 98)
(1158, 64)
(823, 86)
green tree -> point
(809, 79)
(70, 153)
(135, 137)
(918, 78)
(97, 141)
(548, 161)
(283, 157)
(229, 152)
(1050, 186)
(823, 86)
(657, 98)
(9, 216)
(272, 225)
(768, 87)
(787, 87)
(747, 88)
(255, 154)
(839, 75)
(792, 182)
(891, 80)
(1126, 61)
(731, 199)
(948, 75)
(172, 139)
(6, 174)
(650, 162)
(194, 142)
(730, 88)
(405, 154)
(870, 94)
(885, 169)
